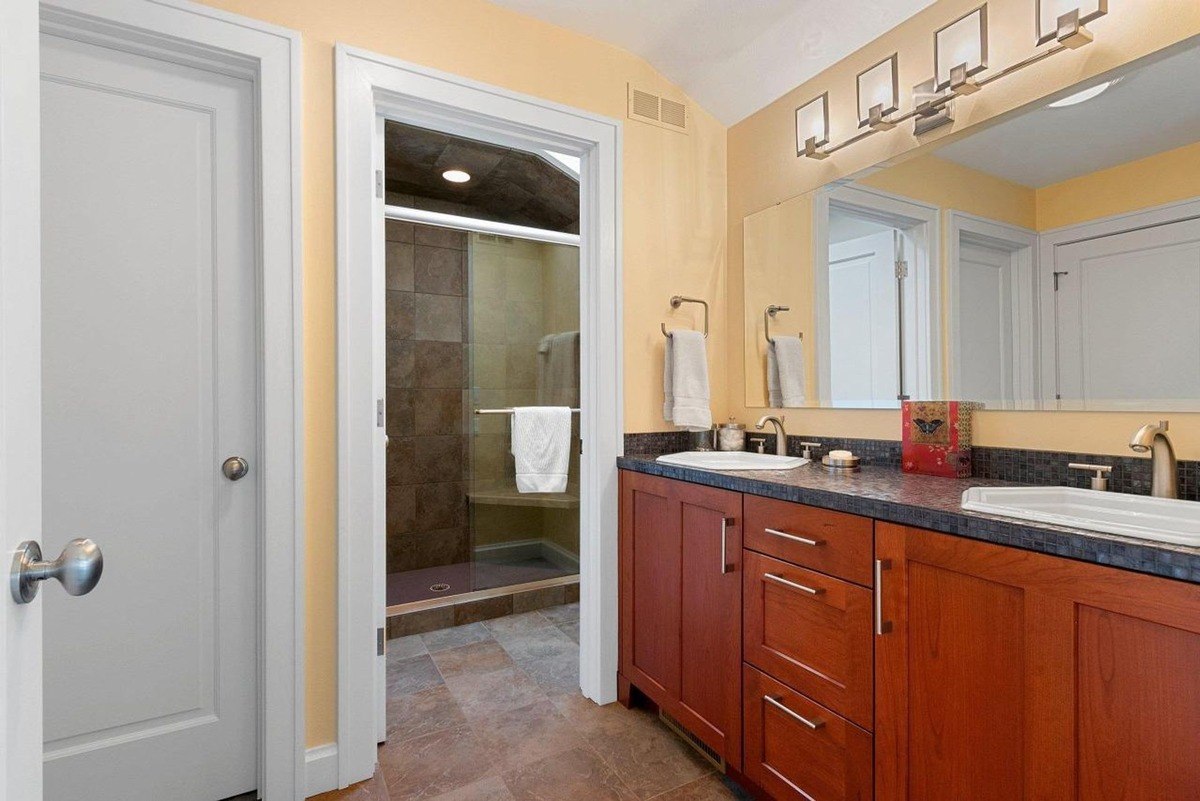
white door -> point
(863, 343)
(985, 305)
(149, 383)
(1120, 299)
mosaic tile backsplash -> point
(1130, 474)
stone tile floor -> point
(492, 712)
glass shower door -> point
(523, 323)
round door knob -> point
(77, 568)
(234, 468)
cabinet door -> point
(1014, 675)
(710, 693)
(649, 591)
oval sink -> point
(732, 460)
(1161, 519)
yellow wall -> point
(764, 171)
(674, 220)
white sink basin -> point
(732, 460)
(1162, 519)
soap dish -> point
(850, 465)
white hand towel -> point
(785, 372)
(685, 381)
(541, 447)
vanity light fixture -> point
(879, 94)
(457, 176)
(960, 51)
(1064, 20)
(812, 128)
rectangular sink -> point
(732, 460)
(1161, 519)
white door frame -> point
(269, 56)
(898, 211)
(1048, 243)
(20, 393)
(370, 87)
(1022, 243)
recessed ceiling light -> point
(1085, 95)
(456, 176)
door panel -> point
(986, 306)
(149, 296)
(862, 322)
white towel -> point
(541, 447)
(685, 381)
(785, 372)
(558, 370)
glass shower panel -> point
(523, 319)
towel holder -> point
(679, 300)
(767, 317)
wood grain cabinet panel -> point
(1004, 674)
(829, 542)
(797, 750)
(812, 632)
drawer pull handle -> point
(881, 626)
(793, 585)
(794, 537)
(812, 724)
(726, 522)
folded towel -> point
(558, 370)
(541, 447)
(685, 381)
(785, 372)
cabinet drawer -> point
(812, 632)
(836, 543)
(798, 750)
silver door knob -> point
(77, 568)
(234, 468)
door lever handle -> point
(77, 568)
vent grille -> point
(658, 111)
(695, 742)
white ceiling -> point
(731, 56)
(1150, 110)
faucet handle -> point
(1100, 479)
(808, 446)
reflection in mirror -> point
(1050, 261)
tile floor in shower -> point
(443, 580)
(492, 712)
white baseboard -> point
(321, 769)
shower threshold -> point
(447, 598)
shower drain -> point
(439, 587)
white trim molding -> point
(369, 89)
(321, 769)
(269, 56)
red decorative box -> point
(937, 437)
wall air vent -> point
(658, 111)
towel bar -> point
(506, 411)
(770, 313)
(676, 302)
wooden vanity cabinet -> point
(681, 604)
(1014, 675)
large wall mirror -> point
(1050, 261)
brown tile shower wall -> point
(426, 397)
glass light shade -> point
(879, 86)
(1048, 12)
(962, 42)
(812, 122)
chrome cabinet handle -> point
(235, 468)
(793, 585)
(794, 537)
(812, 724)
(77, 568)
(726, 522)
(881, 626)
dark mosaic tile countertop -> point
(886, 493)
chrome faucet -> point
(780, 433)
(1163, 467)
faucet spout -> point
(1164, 470)
(780, 432)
